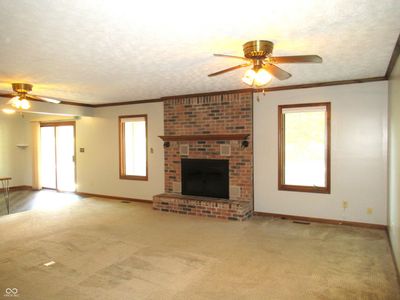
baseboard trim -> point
(114, 197)
(393, 256)
(18, 188)
(321, 220)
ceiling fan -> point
(258, 54)
(20, 96)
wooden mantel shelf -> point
(205, 137)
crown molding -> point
(393, 59)
(128, 103)
(319, 84)
(248, 90)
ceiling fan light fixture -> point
(259, 54)
(21, 96)
(257, 78)
(249, 76)
(15, 102)
(262, 78)
(19, 102)
(25, 104)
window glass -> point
(133, 138)
(304, 152)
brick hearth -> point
(203, 206)
(227, 114)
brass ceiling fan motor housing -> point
(258, 50)
(22, 88)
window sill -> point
(131, 177)
(304, 189)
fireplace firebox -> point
(205, 177)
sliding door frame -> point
(55, 125)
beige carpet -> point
(105, 249)
(26, 200)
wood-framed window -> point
(304, 132)
(133, 147)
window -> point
(133, 147)
(304, 147)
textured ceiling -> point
(111, 51)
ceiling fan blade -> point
(229, 69)
(295, 59)
(7, 95)
(39, 98)
(277, 72)
(231, 56)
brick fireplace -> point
(217, 127)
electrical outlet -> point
(345, 204)
(369, 211)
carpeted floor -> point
(106, 249)
(26, 200)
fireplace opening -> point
(205, 177)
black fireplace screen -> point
(205, 177)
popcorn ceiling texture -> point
(110, 51)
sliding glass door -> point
(58, 156)
(48, 157)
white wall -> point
(98, 166)
(16, 162)
(16, 129)
(394, 161)
(13, 131)
(358, 154)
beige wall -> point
(15, 129)
(16, 162)
(359, 154)
(394, 161)
(359, 160)
(98, 166)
